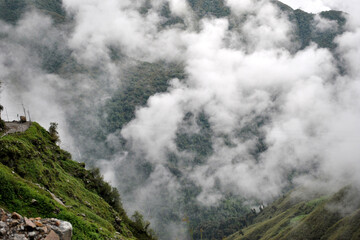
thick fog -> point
(245, 73)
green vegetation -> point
(307, 33)
(32, 166)
(199, 143)
(304, 22)
(203, 8)
(141, 82)
(12, 10)
(54, 135)
(294, 218)
(218, 221)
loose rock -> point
(15, 215)
(15, 227)
(29, 223)
(52, 236)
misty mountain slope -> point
(140, 82)
(291, 217)
(303, 21)
(307, 33)
(304, 29)
(195, 147)
(194, 110)
(32, 166)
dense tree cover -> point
(139, 83)
(304, 21)
(199, 143)
(203, 8)
(12, 10)
(307, 33)
(219, 221)
(170, 19)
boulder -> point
(64, 230)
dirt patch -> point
(16, 127)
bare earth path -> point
(15, 127)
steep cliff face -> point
(38, 179)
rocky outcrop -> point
(15, 227)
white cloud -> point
(325, 25)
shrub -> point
(54, 133)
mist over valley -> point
(206, 116)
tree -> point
(54, 135)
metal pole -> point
(24, 110)
(7, 115)
(29, 116)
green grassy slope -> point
(319, 218)
(31, 165)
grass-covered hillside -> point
(33, 167)
(291, 217)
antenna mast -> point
(7, 115)
(23, 109)
(29, 116)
